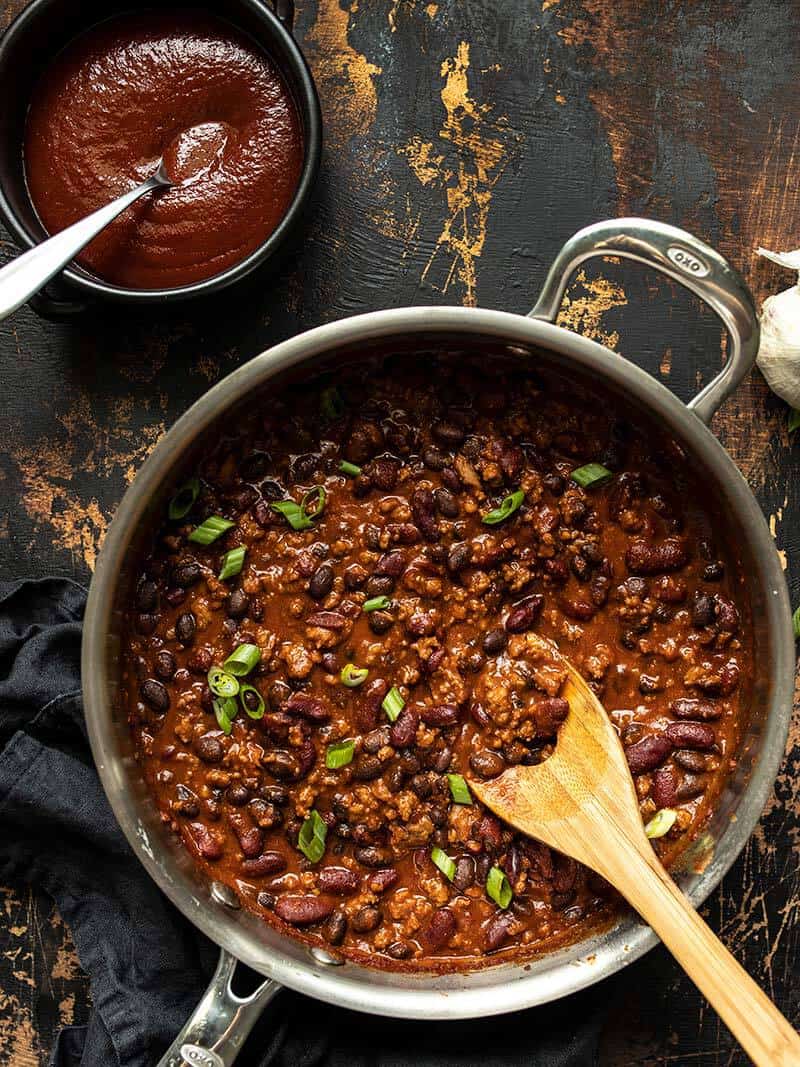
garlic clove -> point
(779, 351)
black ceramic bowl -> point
(42, 30)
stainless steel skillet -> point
(215, 1032)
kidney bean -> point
(354, 576)
(321, 582)
(185, 626)
(382, 880)
(726, 613)
(403, 533)
(165, 665)
(308, 707)
(422, 508)
(513, 864)
(420, 625)
(366, 919)
(377, 739)
(327, 620)
(524, 615)
(459, 557)
(204, 841)
(465, 873)
(335, 927)
(692, 708)
(307, 757)
(369, 706)
(175, 596)
(384, 472)
(372, 856)
(380, 622)
(379, 585)
(390, 565)
(186, 573)
(154, 695)
(486, 763)
(209, 748)
(550, 712)
(489, 831)
(302, 910)
(663, 787)
(691, 786)
(447, 503)
(691, 735)
(440, 715)
(251, 840)
(494, 642)
(440, 928)
(642, 557)
(497, 931)
(581, 610)
(647, 754)
(340, 881)
(200, 661)
(403, 730)
(690, 760)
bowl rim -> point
(504, 987)
(301, 84)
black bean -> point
(376, 740)
(448, 434)
(146, 623)
(335, 928)
(275, 794)
(690, 760)
(465, 873)
(433, 458)
(367, 768)
(447, 503)
(459, 557)
(186, 573)
(703, 613)
(354, 576)
(486, 763)
(237, 795)
(146, 596)
(399, 950)
(209, 748)
(366, 919)
(185, 626)
(322, 582)
(372, 856)
(237, 604)
(277, 694)
(154, 695)
(714, 572)
(380, 621)
(494, 642)
(380, 585)
(165, 665)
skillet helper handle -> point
(686, 260)
(763, 1032)
(215, 1033)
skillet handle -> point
(686, 260)
(215, 1033)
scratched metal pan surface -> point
(222, 1018)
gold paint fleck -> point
(666, 363)
(560, 98)
(66, 1010)
(431, 10)
(346, 79)
(585, 304)
(549, 3)
(471, 154)
(774, 520)
(208, 368)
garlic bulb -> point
(779, 352)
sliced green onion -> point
(221, 683)
(321, 497)
(444, 863)
(353, 676)
(232, 563)
(209, 530)
(796, 623)
(183, 501)
(225, 710)
(507, 507)
(331, 403)
(794, 420)
(293, 513)
(339, 755)
(661, 823)
(591, 474)
(393, 703)
(311, 839)
(459, 790)
(242, 660)
(252, 701)
(498, 887)
(349, 468)
(377, 603)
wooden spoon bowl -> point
(582, 802)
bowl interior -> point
(46, 27)
(503, 987)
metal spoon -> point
(28, 273)
(582, 801)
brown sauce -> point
(182, 85)
(630, 577)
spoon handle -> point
(763, 1032)
(28, 273)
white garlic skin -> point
(779, 351)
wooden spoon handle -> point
(763, 1032)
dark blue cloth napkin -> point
(147, 964)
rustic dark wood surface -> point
(465, 142)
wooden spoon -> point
(582, 802)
